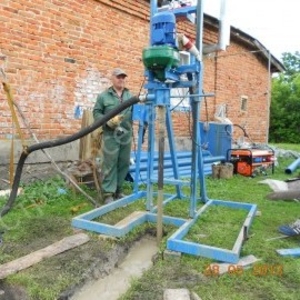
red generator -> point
(251, 162)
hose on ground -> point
(58, 142)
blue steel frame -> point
(159, 94)
(175, 242)
(294, 252)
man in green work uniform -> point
(117, 136)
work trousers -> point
(116, 151)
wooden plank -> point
(85, 142)
(133, 216)
(89, 146)
(37, 256)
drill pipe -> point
(58, 142)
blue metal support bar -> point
(172, 150)
(197, 160)
(139, 115)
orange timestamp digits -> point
(267, 270)
(238, 270)
(214, 270)
(235, 270)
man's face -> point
(119, 82)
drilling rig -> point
(165, 72)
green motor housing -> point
(160, 58)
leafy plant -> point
(285, 104)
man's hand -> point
(115, 121)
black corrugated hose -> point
(54, 143)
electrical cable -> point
(239, 126)
(206, 124)
(189, 125)
(182, 99)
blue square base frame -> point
(175, 242)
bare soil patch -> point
(64, 273)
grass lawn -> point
(42, 214)
(273, 277)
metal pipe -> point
(293, 166)
(224, 31)
(199, 33)
(197, 95)
(153, 10)
(195, 106)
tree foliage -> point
(285, 102)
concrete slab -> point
(294, 184)
(177, 294)
(67, 152)
(276, 185)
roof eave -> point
(276, 65)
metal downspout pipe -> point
(224, 31)
(197, 160)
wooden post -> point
(90, 144)
(160, 196)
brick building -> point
(58, 55)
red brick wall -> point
(59, 55)
(235, 73)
